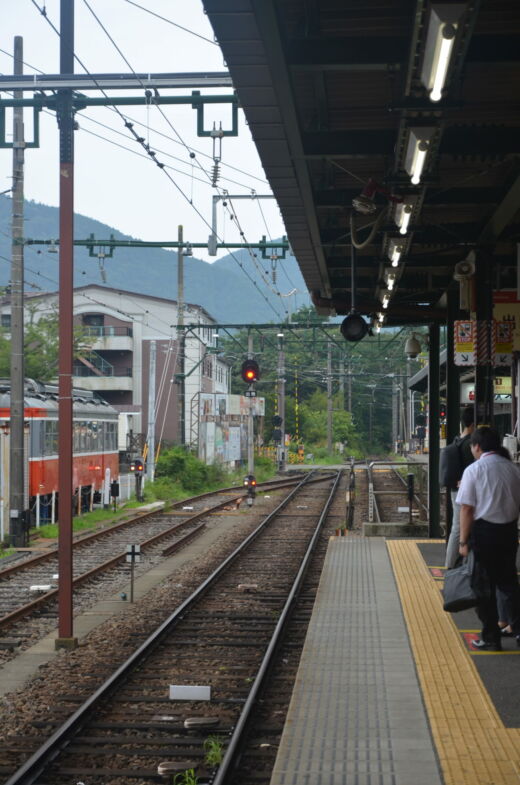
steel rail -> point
(372, 494)
(168, 506)
(29, 772)
(241, 725)
(29, 607)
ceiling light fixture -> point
(395, 250)
(403, 213)
(385, 300)
(390, 280)
(440, 40)
(416, 151)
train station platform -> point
(388, 691)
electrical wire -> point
(170, 22)
(153, 157)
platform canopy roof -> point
(337, 97)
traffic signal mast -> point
(137, 469)
(250, 484)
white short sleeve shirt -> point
(491, 486)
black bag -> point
(458, 591)
(451, 468)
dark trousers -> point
(495, 546)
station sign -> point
(465, 342)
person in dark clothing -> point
(466, 458)
(489, 495)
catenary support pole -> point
(17, 528)
(281, 402)
(65, 300)
(181, 337)
(150, 460)
(250, 424)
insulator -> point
(273, 274)
(102, 271)
(215, 175)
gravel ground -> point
(44, 697)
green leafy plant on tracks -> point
(187, 777)
(213, 750)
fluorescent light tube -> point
(394, 252)
(403, 213)
(443, 60)
(441, 33)
(417, 147)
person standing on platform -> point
(489, 497)
(452, 469)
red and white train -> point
(95, 447)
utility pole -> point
(17, 528)
(66, 280)
(250, 427)
(342, 379)
(181, 337)
(395, 413)
(350, 386)
(329, 396)
(150, 459)
(281, 402)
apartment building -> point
(121, 330)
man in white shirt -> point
(489, 496)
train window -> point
(95, 444)
(50, 437)
(110, 436)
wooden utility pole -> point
(18, 529)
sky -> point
(123, 187)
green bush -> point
(182, 467)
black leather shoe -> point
(481, 645)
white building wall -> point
(151, 318)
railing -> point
(108, 331)
(82, 370)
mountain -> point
(222, 288)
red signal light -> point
(250, 371)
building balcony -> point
(109, 338)
(101, 383)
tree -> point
(41, 347)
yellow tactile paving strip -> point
(473, 746)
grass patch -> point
(6, 552)
(81, 522)
(165, 488)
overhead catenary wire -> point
(171, 22)
(153, 157)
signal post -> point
(250, 373)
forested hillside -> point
(231, 289)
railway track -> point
(389, 498)
(100, 564)
(223, 637)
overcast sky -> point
(118, 186)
